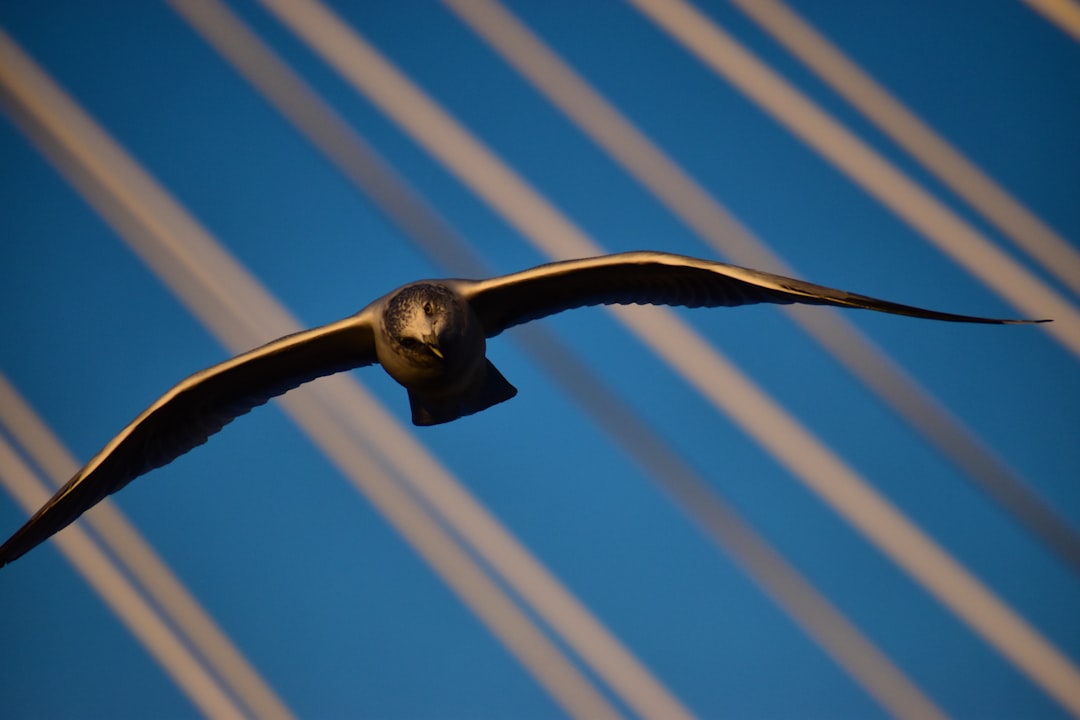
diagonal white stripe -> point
(855, 85)
(141, 562)
(871, 171)
(350, 153)
(120, 596)
(242, 314)
(690, 202)
(703, 366)
(618, 136)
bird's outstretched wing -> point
(654, 278)
(195, 409)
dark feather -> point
(194, 410)
(653, 278)
(204, 403)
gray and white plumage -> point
(430, 336)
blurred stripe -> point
(414, 217)
(1063, 13)
(601, 652)
(843, 489)
(936, 154)
(142, 564)
(703, 214)
(702, 365)
(232, 304)
(329, 417)
(823, 622)
(360, 163)
(104, 578)
(867, 168)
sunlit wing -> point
(195, 409)
(653, 278)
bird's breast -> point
(421, 371)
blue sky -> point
(336, 612)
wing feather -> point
(653, 278)
(193, 410)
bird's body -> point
(430, 336)
(430, 340)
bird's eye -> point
(428, 310)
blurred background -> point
(747, 513)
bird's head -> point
(426, 321)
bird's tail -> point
(491, 388)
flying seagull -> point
(430, 336)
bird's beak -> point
(432, 343)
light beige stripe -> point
(689, 201)
(309, 113)
(1063, 13)
(119, 595)
(871, 514)
(151, 573)
(782, 582)
(242, 314)
(702, 365)
(862, 164)
(897, 121)
(319, 413)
